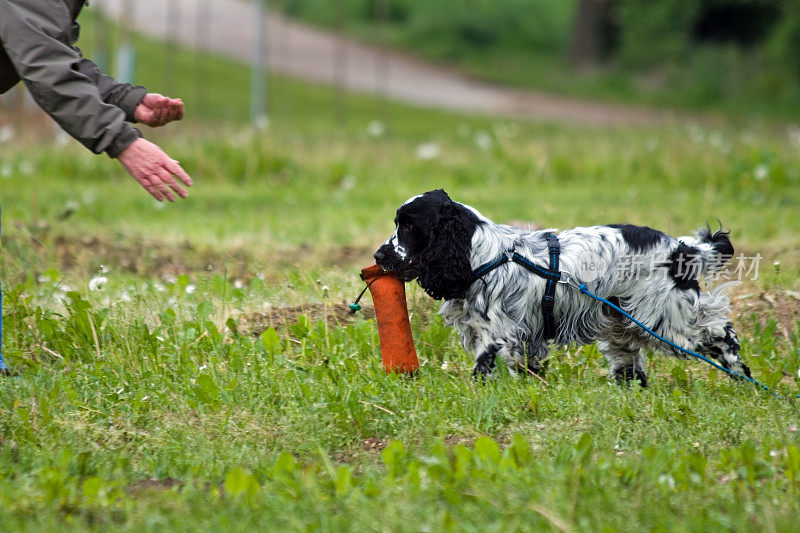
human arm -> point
(36, 37)
(138, 105)
(125, 96)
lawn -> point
(210, 378)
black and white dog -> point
(647, 273)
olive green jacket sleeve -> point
(37, 36)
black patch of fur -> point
(639, 238)
(629, 373)
(536, 365)
(613, 312)
(658, 324)
(445, 271)
(719, 240)
(682, 267)
(485, 361)
(733, 346)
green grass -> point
(526, 44)
(156, 402)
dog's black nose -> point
(379, 255)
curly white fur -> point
(647, 273)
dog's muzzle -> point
(387, 259)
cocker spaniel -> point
(455, 254)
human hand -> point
(156, 110)
(154, 170)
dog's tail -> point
(713, 250)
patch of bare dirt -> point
(503, 440)
(332, 314)
(374, 444)
(350, 255)
(154, 483)
(149, 258)
(351, 456)
(781, 305)
(454, 440)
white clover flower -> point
(444, 365)
(348, 182)
(97, 282)
(428, 151)
(190, 288)
(88, 196)
(376, 129)
(7, 133)
(483, 140)
(61, 138)
(666, 479)
(696, 133)
(261, 123)
(761, 172)
(26, 168)
(793, 132)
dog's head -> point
(431, 243)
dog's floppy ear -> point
(444, 263)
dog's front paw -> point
(629, 374)
(482, 373)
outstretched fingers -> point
(150, 187)
(162, 178)
(155, 170)
(166, 177)
(177, 170)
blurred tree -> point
(594, 35)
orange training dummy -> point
(394, 330)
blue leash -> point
(582, 288)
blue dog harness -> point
(552, 275)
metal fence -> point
(268, 42)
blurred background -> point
(518, 58)
(663, 113)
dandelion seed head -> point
(97, 283)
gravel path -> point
(320, 56)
